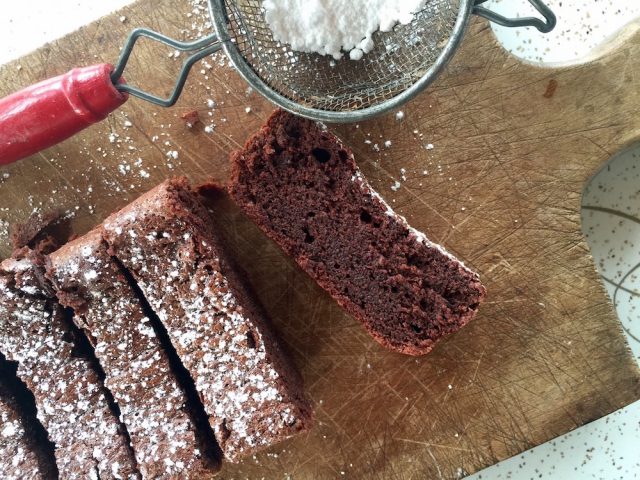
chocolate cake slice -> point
(301, 186)
(69, 396)
(22, 449)
(251, 392)
(152, 403)
(19, 461)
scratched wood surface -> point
(501, 188)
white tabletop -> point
(608, 448)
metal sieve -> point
(403, 62)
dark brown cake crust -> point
(137, 369)
(69, 396)
(303, 189)
(252, 395)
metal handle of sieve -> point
(201, 48)
(545, 26)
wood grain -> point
(513, 147)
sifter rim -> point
(218, 13)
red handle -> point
(50, 111)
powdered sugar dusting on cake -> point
(137, 370)
(222, 349)
(69, 396)
(212, 340)
(18, 461)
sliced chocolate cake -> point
(22, 449)
(152, 403)
(19, 461)
(69, 396)
(252, 394)
(302, 187)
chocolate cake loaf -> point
(69, 396)
(253, 396)
(303, 189)
(152, 403)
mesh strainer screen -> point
(399, 59)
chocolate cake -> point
(19, 461)
(252, 394)
(22, 449)
(152, 403)
(301, 186)
(70, 398)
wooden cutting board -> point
(501, 188)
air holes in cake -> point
(424, 305)
(321, 155)
(344, 156)
(394, 289)
(293, 132)
(415, 328)
(377, 224)
(365, 217)
(158, 235)
(311, 214)
(413, 260)
(308, 238)
(225, 433)
(208, 269)
(336, 266)
(251, 339)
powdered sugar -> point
(137, 370)
(65, 387)
(222, 349)
(18, 460)
(332, 27)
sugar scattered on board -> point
(333, 27)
